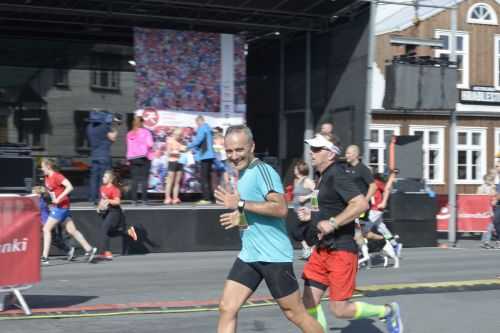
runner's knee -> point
(228, 308)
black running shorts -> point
(279, 276)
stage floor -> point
(150, 205)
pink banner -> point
(474, 212)
(19, 240)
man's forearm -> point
(351, 212)
(267, 208)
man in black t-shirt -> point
(363, 177)
(334, 262)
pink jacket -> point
(139, 144)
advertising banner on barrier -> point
(474, 213)
(19, 240)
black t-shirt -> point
(336, 188)
(100, 144)
(362, 176)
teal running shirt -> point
(266, 238)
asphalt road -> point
(448, 304)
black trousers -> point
(97, 169)
(206, 179)
(139, 170)
(113, 225)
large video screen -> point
(190, 71)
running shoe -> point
(44, 261)
(398, 249)
(107, 255)
(486, 246)
(132, 234)
(71, 253)
(393, 320)
(91, 254)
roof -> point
(392, 18)
(113, 20)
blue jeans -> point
(97, 169)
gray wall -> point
(59, 138)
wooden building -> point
(478, 108)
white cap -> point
(319, 141)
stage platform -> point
(185, 227)
(191, 227)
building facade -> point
(478, 84)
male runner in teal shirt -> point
(266, 252)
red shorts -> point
(335, 269)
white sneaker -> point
(71, 253)
(91, 254)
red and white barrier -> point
(474, 212)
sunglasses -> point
(318, 149)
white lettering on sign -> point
(480, 96)
(14, 246)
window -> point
(496, 61)
(31, 136)
(497, 140)
(81, 140)
(471, 155)
(462, 51)
(61, 78)
(103, 79)
(31, 125)
(106, 73)
(380, 136)
(433, 150)
(482, 13)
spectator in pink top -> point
(139, 153)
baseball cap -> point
(319, 141)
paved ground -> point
(187, 277)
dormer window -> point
(482, 13)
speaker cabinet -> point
(17, 173)
(420, 87)
(405, 154)
(412, 216)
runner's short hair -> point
(240, 129)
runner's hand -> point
(230, 220)
(229, 200)
(325, 227)
(304, 214)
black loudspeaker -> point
(401, 86)
(17, 174)
(412, 216)
(420, 87)
(409, 185)
(405, 154)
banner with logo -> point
(162, 124)
(19, 240)
(474, 212)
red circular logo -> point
(151, 117)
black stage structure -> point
(307, 62)
(188, 227)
